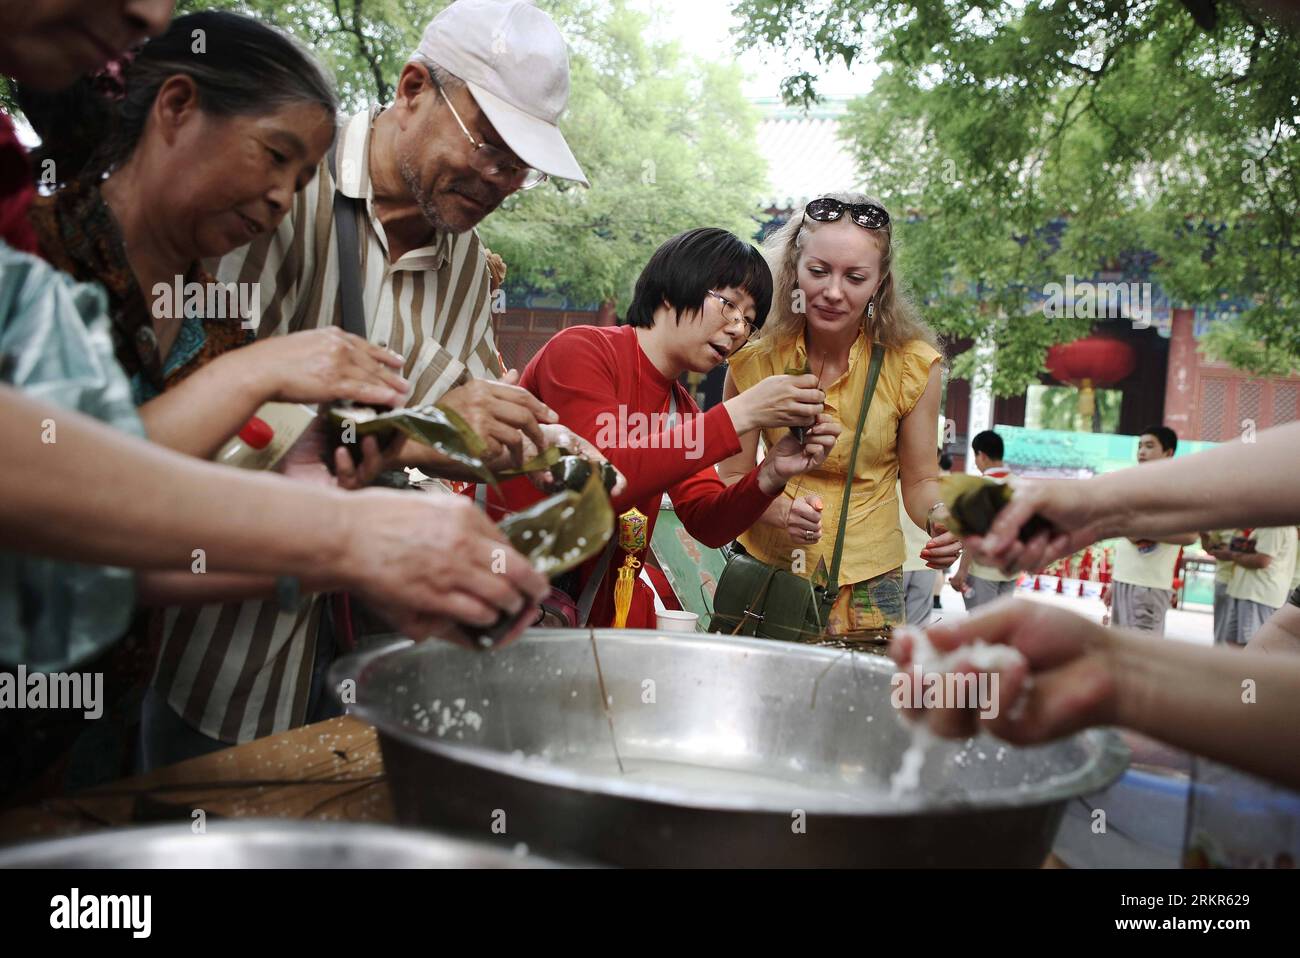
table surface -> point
(332, 770)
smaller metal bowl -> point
(264, 844)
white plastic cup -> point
(671, 620)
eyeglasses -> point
(867, 215)
(733, 314)
(493, 161)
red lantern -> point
(1091, 363)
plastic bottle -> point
(267, 436)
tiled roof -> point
(804, 156)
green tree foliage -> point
(1058, 408)
(1133, 124)
(668, 145)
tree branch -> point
(363, 46)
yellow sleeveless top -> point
(873, 537)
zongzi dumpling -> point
(799, 432)
(973, 503)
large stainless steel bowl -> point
(739, 752)
(263, 844)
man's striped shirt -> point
(242, 670)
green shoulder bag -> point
(754, 598)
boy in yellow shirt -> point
(1263, 563)
(1143, 582)
(981, 584)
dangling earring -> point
(871, 310)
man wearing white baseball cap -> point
(382, 243)
(515, 64)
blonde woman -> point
(836, 296)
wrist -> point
(769, 482)
(938, 512)
(777, 512)
(337, 561)
(252, 381)
(450, 400)
(1108, 510)
(1126, 662)
(738, 409)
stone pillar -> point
(981, 399)
(1181, 378)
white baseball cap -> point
(513, 58)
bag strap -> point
(873, 374)
(588, 597)
(349, 247)
(752, 615)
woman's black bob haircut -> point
(683, 269)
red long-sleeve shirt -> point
(605, 389)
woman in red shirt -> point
(698, 300)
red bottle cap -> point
(257, 433)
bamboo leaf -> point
(565, 530)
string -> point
(794, 497)
(604, 700)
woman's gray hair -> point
(239, 67)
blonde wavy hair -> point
(895, 321)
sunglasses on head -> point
(867, 215)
